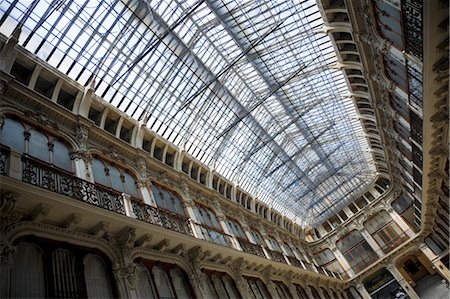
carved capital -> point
(127, 272)
(7, 253)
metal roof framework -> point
(246, 87)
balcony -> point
(54, 179)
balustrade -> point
(251, 248)
(4, 154)
(53, 179)
(161, 217)
(276, 256)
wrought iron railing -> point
(4, 155)
(161, 217)
(54, 179)
(276, 256)
(251, 248)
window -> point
(158, 280)
(257, 287)
(235, 228)
(274, 244)
(221, 285)
(50, 270)
(257, 239)
(326, 259)
(110, 176)
(385, 231)
(356, 250)
(301, 293)
(42, 146)
(168, 199)
(282, 290)
(209, 228)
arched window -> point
(180, 284)
(66, 277)
(162, 283)
(257, 287)
(11, 135)
(301, 293)
(210, 229)
(235, 228)
(145, 287)
(385, 231)
(38, 146)
(356, 250)
(274, 244)
(28, 270)
(314, 292)
(42, 146)
(256, 236)
(327, 260)
(221, 284)
(167, 199)
(110, 176)
(96, 277)
(282, 290)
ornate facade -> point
(95, 204)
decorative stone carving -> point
(41, 118)
(126, 272)
(7, 218)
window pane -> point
(98, 170)
(12, 135)
(61, 156)
(39, 146)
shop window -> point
(157, 280)
(221, 285)
(44, 269)
(258, 288)
(110, 176)
(168, 199)
(96, 277)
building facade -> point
(95, 204)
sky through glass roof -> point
(249, 88)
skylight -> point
(247, 87)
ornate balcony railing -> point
(413, 18)
(161, 217)
(251, 248)
(53, 179)
(4, 154)
(213, 235)
(276, 256)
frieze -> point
(41, 118)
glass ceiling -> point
(247, 87)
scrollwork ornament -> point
(7, 253)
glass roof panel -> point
(246, 87)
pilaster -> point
(402, 281)
(437, 264)
(362, 291)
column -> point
(437, 264)
(243, 287)
(362, 291)
(341, 259)
(272, 289)
(368, 237)
(401, 222)
(402, 281)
